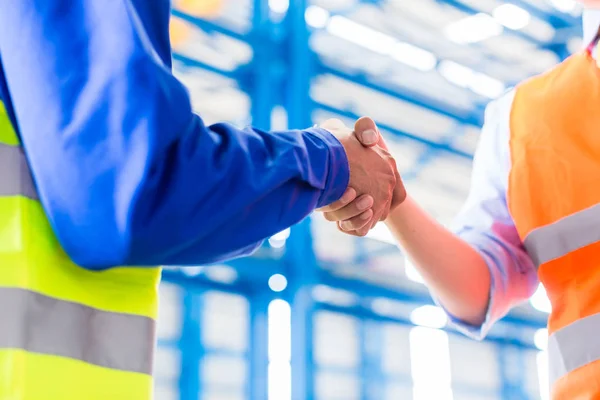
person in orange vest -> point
(533, 215)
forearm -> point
(456, 273)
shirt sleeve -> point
(486, 224)
(126, 172)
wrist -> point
(338, 168)
(401, 210)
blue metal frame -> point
(191, 345)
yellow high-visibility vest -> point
(66, 333)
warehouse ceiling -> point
(424, 69)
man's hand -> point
(373, 177)
(351, 211)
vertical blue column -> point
(259, 345)
(190, 346)
(260, 83)
(301, 58)
(302, 265)
(371, 374)
(511, 364)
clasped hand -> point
(375, 186)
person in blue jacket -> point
(127, 173)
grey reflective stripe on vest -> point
(573, 346)
(564, 236)
(40, 324)
(15, 176)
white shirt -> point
(485, 221)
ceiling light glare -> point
(429, 316)
(540, 339)
(486, 86)
(413, 56)
(279, 6)
(540, 300)
(361, 35)
(565, 6)
(473, 29)
(456, 73)
(511, 16)
(316, 17)
(277, 283)
(411, 271)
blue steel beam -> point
(208, 26)
(300, 257)
(367, 290)
(363, 289)
(360, 312)
(191, 346)
(201, 282)
(261, 85)
(302, 264)
(259, 345)
(467, 118)
(192, 62)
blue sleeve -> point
(126, 172)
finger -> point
(366, 132)
(333, 123)
(357, 207)
(358, 222)
(362, 232)
(348, 196)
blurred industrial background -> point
(316, 314)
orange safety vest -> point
(554, 199)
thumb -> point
(366, 132)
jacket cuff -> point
(338, 169)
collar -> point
(591, 22)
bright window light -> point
(486, 86)
(361, 35)
(381, 233)
(411, 272)
(280, 348)
(192, 271)
(542, 367)
(316, 17)
(564, 5)
(278, 240)
(429, 316)
(279, 6)
(465, 77)
(540, 338)
(326, 294)
(413, 56)
(277, 283)
(280, 381)
(221, 273)
(430, 364)
(511, 16)
(474, 28)
(457, 74)
(540, 300)
(371, 39)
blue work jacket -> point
(127, 173)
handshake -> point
(375, 186)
